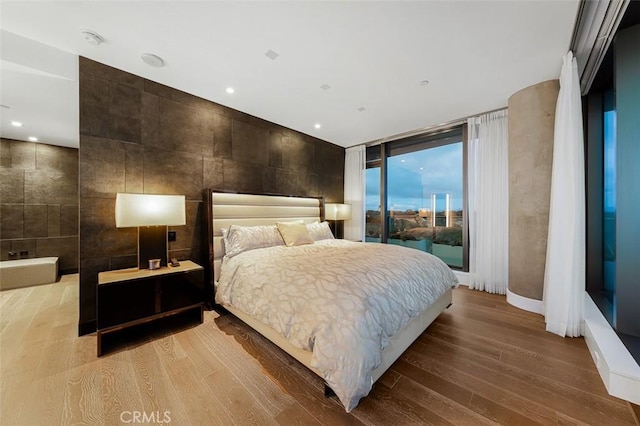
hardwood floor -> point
(482, 362)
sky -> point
(413, 177)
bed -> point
(345, 310)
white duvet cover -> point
(339, 299)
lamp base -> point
(152, 244)
(336, 228)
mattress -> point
(338, 299)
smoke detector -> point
(92, 37)
(153, 60)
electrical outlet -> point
(13, 255)
(24, 253)
(172, 235)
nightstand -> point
(130, 297)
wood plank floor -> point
(482, 362)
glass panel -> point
(424, 199)
(373, 219)
(609, 214)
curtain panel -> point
(488, 186)
(564, 275)
(354, 191)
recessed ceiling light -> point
(33, 139)
(271, 54)
(317, 125)
(153, 60)
(230, 90)
(16, 123)
(402, 161)
(325, 87)
(424, 83)
(92, 37)
(421, 168)
(361, 109)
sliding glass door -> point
(423, 193)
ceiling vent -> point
(271, 54)
(153, 60)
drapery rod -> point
(429, 129)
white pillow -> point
(294, 233)
(243, 238)
(320, 231)
(224, 232)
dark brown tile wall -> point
(39, 201)
(142, 137)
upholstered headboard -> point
(225, 209)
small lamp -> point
(337, 212)
(151, 214)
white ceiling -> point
(38, 88)
(474, 54)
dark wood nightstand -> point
(131, 297)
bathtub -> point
(27, 272)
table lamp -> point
(151, 214)
(337, 212)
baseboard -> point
(463, 277)
(524, 303)
(618, 370)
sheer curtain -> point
(354, 169)
(488, 202)
(564, 275)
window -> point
(610, 111)
(609, 204)
(373, 219)
(415, 195)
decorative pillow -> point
(243, 238)
(320, 231)
(294, 233)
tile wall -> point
(142, 137)
(39, 202)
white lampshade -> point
(337, 211)
(149, 210)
